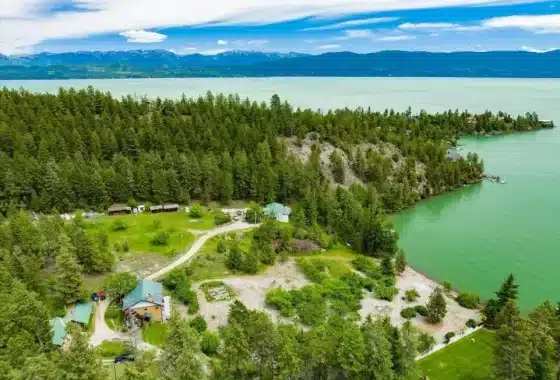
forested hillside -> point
(87, 149)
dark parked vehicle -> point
(124, 358)
(96, 296)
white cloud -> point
(427, 26)
(346, 24)
(327, 47)
(257, 42)
(397, 38)
(536, 23)
(26, 23)
(222, 42)
(535, 50)
(143, 37)
(434, 34)
(189, 48)
(359, 33)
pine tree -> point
(400, 262)
(80, 360)
(180, 360)
(235, 258)
(250, 262)
(512, 352)
(508, 291)
(436, 307)
(377, 356)
(69, 282)
(387, 268)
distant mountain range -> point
(165, 64)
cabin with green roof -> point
(278, 211)
(78, 312)
(145, 300)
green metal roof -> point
(146, 290)
(58, 328)
(277, 208)
(80, 312)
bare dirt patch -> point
(251, 290)
(142, 265)
(455, 319)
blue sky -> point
(310, 26)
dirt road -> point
(198, 244)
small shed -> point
(171, 207)
(156, 208)
(278, 211)
(58, 328)
(119, 209)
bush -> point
(367, 266)
(408, 313)
(282, 300)
(221, 218)
(161, 238)
(448, 336)
(411, 295)
(447, 286)
(385, 292)
(119, 225)
(125, 247)
(221, 248)
(425, 342)
(468, 300)
(254, 214)
(147, 206)
(196, 211)
(198, 323)
(471, 323)
(421, 310)
(209, 343)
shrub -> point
(282, 300)
(447, 286)
(221, 248)
(448, 336)
(425, 342)
(367, 266)
(385, 292)
(198, 323)
(147, 206)
(408, 313)
(125, 247)
(421, 310)
(471, 323)
(119, 225)
(161, 238)
(254, 214)
(468, 300)
(411, 295)
(221, 218)
(196, 211)
(209, 343)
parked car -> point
(99, 295)
(124, 358)
(94, 296)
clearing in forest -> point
(463, 359)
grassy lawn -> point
(155, 333)
(110, 349)
(141, 229)
(114, 317)
(462, 360)
(209, 264)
